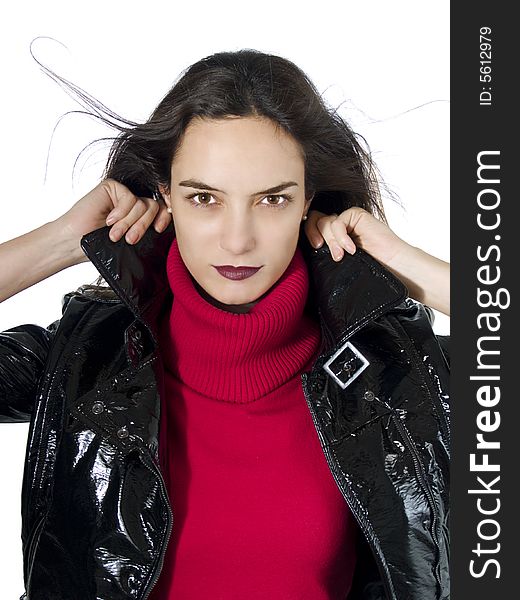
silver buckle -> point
(346, 364)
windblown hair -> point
(338, 170)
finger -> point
(136, 222)
(311, 229)
(122, 199)
(137, 230)
(324, 225)
(339, 231)
(163, 217)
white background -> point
(384, 64)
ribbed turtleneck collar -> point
(238, 357)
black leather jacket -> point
(95, 512)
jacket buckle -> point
(346, 364)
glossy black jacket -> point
(96, 517)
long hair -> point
(339, 171)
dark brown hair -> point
(339, 171)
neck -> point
(234, 308)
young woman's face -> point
(227, 167)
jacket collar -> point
(345, 295)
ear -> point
(308, 203)
(166, 195)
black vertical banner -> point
(485, 236)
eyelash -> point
(287, 197)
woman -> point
(237, 414)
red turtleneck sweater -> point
(256, 511)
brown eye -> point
(199, 204)
(286, 199)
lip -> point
(236, 273)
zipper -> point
(39, 526)
(158, 568)
(419, 471)
(426, 377)
(444, 426)
(380, 561)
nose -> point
(237, 234)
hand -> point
(354, 227)
(130, 214)
(426, 277)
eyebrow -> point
(193, 183)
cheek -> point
(284, 239)
(192, 231)
(281, 246)
(198, 221)
(281, 229)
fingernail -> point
(337, 254)
(160, 227)
(131, 237)
(111, 219)
(115, 233)
(317, 244)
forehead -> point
(251, 143)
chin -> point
(234, 300)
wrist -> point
(410, 265)
(426, 277)
(66, 246)
(406, 259)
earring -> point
(169, 210)
(304, 218)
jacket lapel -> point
(346, 294)
(349, 293)
(136, 273)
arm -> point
(36, 255)
(426, 277)
(26, 260)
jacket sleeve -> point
(444, 343)
(444, 340)
(23, 354)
